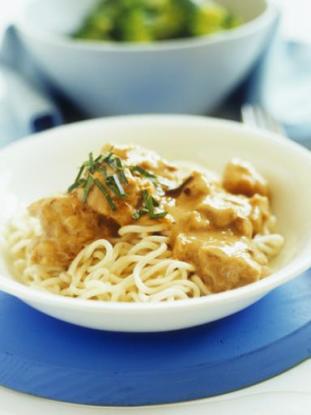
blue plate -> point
(45, 357)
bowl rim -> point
(255, 289)
(270, 13)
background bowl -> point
(45, 164)
(184, 76)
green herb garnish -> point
(105, 192)
(120, 171)
(109, 158)
(143, 172)
(77, 183)
(87, 188)
(158, 215)
(103, 171)
(116, 164)
(149, 207)
(113, 183)
(137, 214)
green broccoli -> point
(134, 27)
(100, 23)
(206, 18)
(170, 21)
(153, 20)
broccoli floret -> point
(151, 20)
(134, 27)
(207, 17)
(232, 21)
(170, 21)
(99, 24)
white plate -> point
(46, 163)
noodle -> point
(181, 234)
(137, 268)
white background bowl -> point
(183, 76)
(45, 164)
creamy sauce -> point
(211, 223)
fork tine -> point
(273, 123)
(278, 128)
(262, 119)
(248, 115)
(255, 115)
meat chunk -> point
(228, 268)
(226, 210)
(67, 226)
(147, 159)
(243, 226)
(140, 169)
(195, 188)
(124, 208)
(218, 210)
(242, 178)
(223, 265)
(261, 214)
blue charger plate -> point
(45, 357)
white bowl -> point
(44, 164)
(183, 76)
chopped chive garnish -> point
(158, 215)
(120, 171)
(116, 164)
(87, 188)
(73, 187)
(114, 183)
(145, 195)
(98, 159)
(137, 214)
(142, 172)
(155, 202)
(103, 171)
(149, 205)
(119, 186)
(80, 173)
(76, 183)
(91, 164)
(105, 192)
(108, 159)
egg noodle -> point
(204, 235)
(137, 268)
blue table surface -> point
(49, 358)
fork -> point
(257, 116)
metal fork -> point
(256, 116)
